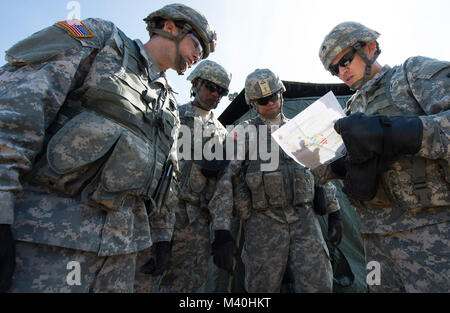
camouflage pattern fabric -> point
(188, 264)
(183, 13)
(343, 36)
(278, 238)
(191, 248)
(50, 269)
(330, 195)
(399, 229)
(414, 260)
(419, 87)
(428, 82)
(262, 83)
(213, 72)
(86, 191)
(271, 248)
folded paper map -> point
(309, 138)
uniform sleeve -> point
(173, 154)
(163, 222)
(221, 204)
(436, 136)
(323, 174)
(429, 81)
(33, 86)
(330, 194)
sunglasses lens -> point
(273, 97)
(214, 88)
(334, 69)
(344, 62)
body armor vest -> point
(289, 185)
(195, 188)
(116, 145)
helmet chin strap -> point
(180, 63)
(368, 62)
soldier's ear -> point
(170, 27)
(196, 83)
(371, 49)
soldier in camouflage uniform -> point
(85, 129)
(281, 229)
(186, 270)
(396, 171)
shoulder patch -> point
(77, 28)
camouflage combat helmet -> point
(345, 35)
(208, 71)
(342, 36)
(262, 83)
(194, 20)
(212, 71)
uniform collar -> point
(194, 111)
(367, 86)
(154, 71)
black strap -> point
(387, 136)
(419, 180)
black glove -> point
(320, 203)
(159, 263)
(378, 135)
(338, 167)
(213, 167)
(361, 180)
(7, 257)
(223, 250)
(335, 228)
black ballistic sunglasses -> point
(344, 62)
(273, 97)
(213, 87)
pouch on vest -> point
(99, 158)
(400, 184)
(303, 186)
(273, 185)
(75, 154)
(126, 173)
(254, 182)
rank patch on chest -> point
(77, 28)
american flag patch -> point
(77, 28)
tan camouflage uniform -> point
(81, 199)
(406, 226)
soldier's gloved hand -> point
(213, 167)
(320, 201)
(360, 182)
(159, 263)
(338, 167)
(335, 228)
(378, 135)
(224, 250)
(7, 257)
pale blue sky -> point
(282, 35)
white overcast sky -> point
(283, 35)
